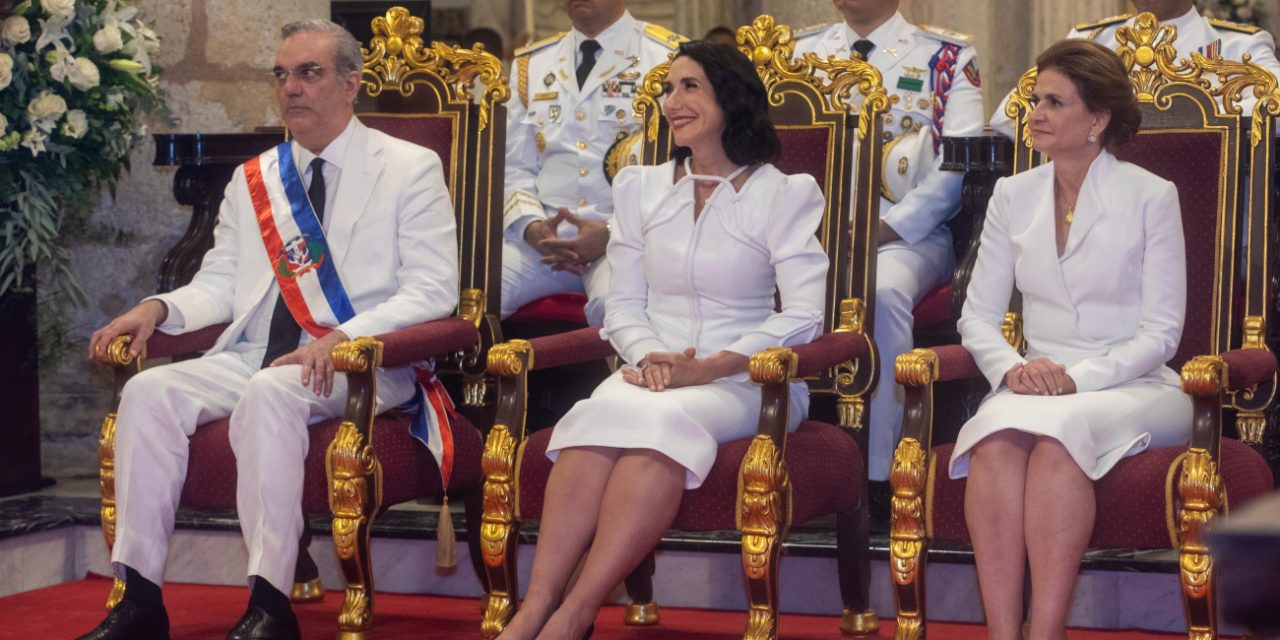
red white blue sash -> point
(309, 282)
(295, 243)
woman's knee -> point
(1050, 455)
(1002, 449)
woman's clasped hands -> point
(1039, 377)
(670, 370)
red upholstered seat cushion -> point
(1130, 499)
(934, 309)
(408, 470)
(560, 308)
(824, 463)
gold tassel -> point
(446, 541)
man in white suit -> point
(1196, 33)
(364, 243)
(572, 101)
(933, 74)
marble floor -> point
(54, 536)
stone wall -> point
(216, 55)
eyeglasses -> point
(306, 74)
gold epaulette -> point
(1103, 23)
(663, 35)
(811, 31)
(541, 44)
(1227, 25)
(947, 35)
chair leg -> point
(107, 485)
(498, 532)
(764, 513)
(307, 586)
(1201, 494)
(908, 543)
(642, 611)
(355, 496)
(473, 513)
(853, 549)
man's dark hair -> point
(490, 38)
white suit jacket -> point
(1111, 308)
(392, 236)
(923, 196)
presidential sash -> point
(309, 282)
(295, 244)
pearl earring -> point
(1093, 137)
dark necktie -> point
(588, 49)
(285, 332)
(864, 47)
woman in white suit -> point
(699, 245)
(1094, 245)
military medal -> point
(549, 80)
(902, 166)
(629, 76)
(553, 112)
(541, 141)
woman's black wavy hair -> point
(749, 136)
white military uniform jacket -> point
(918, 196)
(557, 134)
(1196, 33)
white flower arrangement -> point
(75, 75)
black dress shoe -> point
(127, 621)
(257, 624)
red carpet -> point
(199, 612)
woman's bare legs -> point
(993, 509)
(639, 505)
(571, 508)
(1060, 513)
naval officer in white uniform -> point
(932, 74)
(573, 99)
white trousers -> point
(904, 273)
(160, 409)
(525, 279)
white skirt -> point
(1098, 428)
(686, 424)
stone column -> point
(216, 55)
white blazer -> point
(392, 236)
(1081, 309)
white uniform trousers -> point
(904, 273)
(525, 279)
(160, 409)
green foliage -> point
(75, 78)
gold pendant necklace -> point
(1071, 215)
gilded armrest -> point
(427, 340)
(570, 347)
(830, 350)
(164, 345)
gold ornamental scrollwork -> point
(355, 491)
(916, 368)
(504, 359)
(853, 316)
(773, 365)
(497, 522)
(1204, 376)
(468, 65)
(851, 85)
(118, 353)
(107, 486)
(471, 306)
(1201, 497)
(1011, 329)
(763, 517)
(906, 526)
(355, 613)
(357, 356)
(1020, 102)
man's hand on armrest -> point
(139, 322)
(316, 358)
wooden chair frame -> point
(1171, 95)
(845, 97)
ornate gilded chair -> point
(358, 465)
(759, 485)
(1162, 498)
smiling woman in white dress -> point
(699, 246)
(1094, 245)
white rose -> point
(15, 30)
(108, 39)
(59, 8)
(77, 124)
(45, 110)
(6, 70)
(34, 140)
(84, 74)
